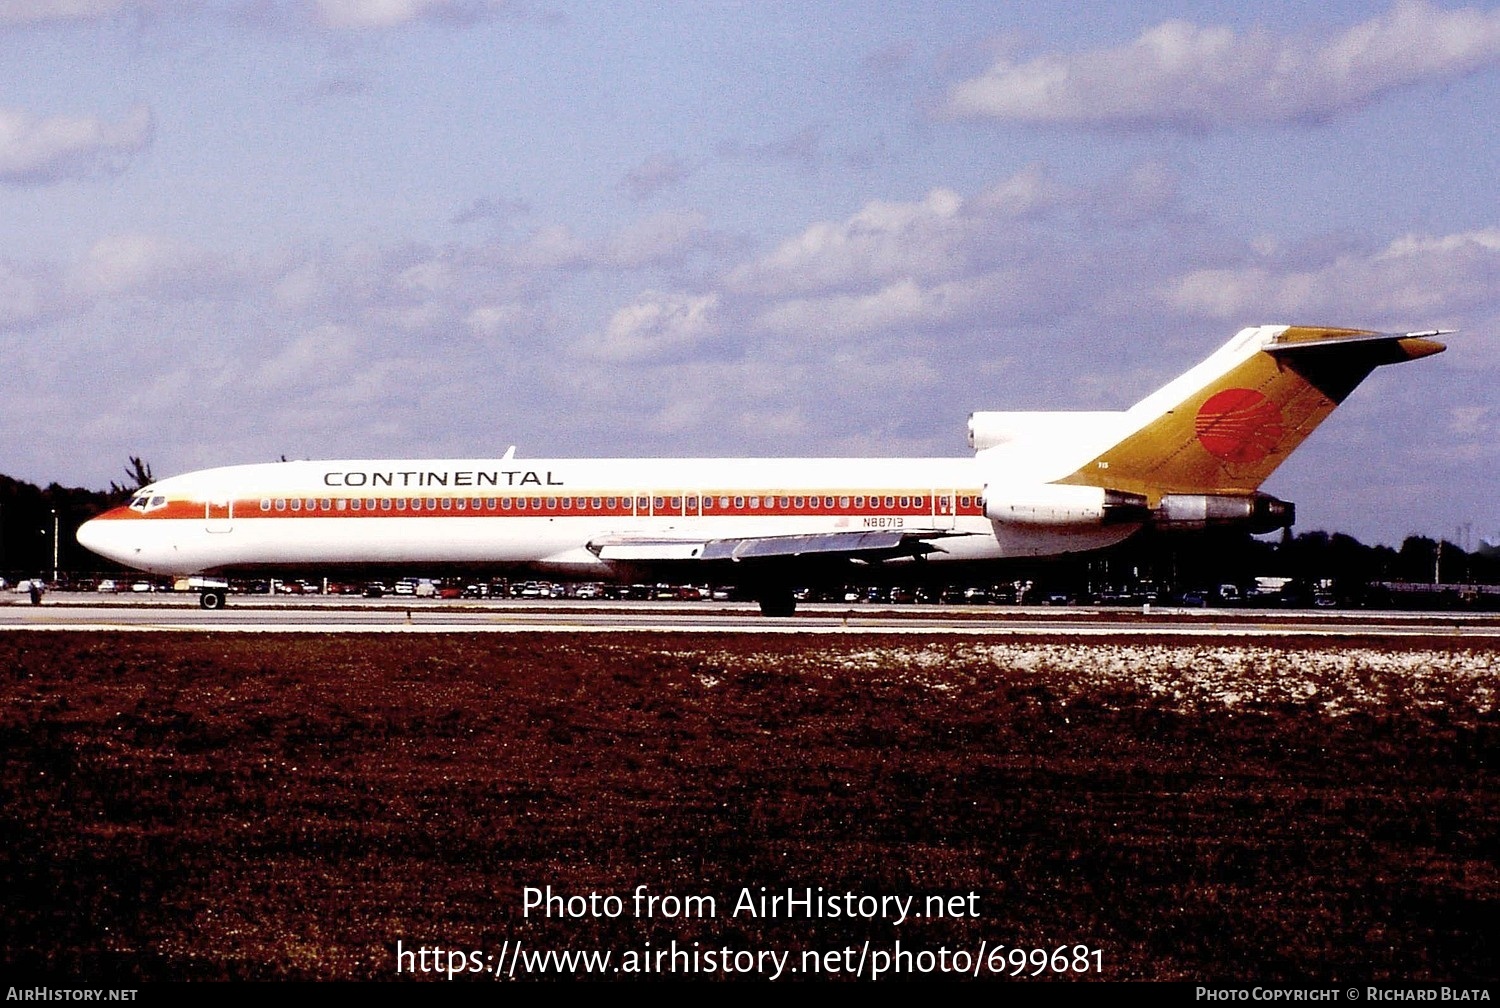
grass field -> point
(181, 806)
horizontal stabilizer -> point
(1300, 338)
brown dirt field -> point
(181, 806)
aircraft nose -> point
(99, 535)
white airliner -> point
(1189, 456)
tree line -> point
(31, 515)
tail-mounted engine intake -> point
(1059, 505)
(1188, 512)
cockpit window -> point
(138, 503)
(148, 502)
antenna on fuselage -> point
(510, 453)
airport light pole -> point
(55, 545)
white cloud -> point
(353, 15)
(390, 13)
(42, 150)
(494, 321)
(882, 242)
(1031, 190)
(36, 11)
(314, 359)
(1416, 280)
(657, 325)
(135, 262)
(655, 240)
(902, 304)
(1184, 76)
(549, 248)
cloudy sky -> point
(232, 230)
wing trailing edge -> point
(870, 545)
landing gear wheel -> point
(211, 600)
(779, 602)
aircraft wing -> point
(870, 546)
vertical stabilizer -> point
(1224, 426)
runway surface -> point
(260, 614)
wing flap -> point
(872, 544)
(648, 550)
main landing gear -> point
(776, 601)
(211, 598)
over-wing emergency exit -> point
(1191, 455)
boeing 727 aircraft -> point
(1189, 456)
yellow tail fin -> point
(1224, 426)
